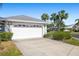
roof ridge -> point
(21, 15)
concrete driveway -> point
(46, 47)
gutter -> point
(24, 21)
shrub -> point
(59, 35)
(67, 35)
(49, 34)
(1, 36)
(46, 35)
(5, 36)
(62, 29)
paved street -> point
(75, 35)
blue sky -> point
(37, 9)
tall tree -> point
(45, 16)
(62, 16)
(53, 17)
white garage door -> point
(26, 32)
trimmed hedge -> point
(59, 35)
(5, 36)
(67, 35)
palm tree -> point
(45, 17)
(62, 16)
(77, 20)
(53, 17)
(58, 18)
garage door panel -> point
(24, 33)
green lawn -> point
(74, 32)
(10, 49)
(72, 41)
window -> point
(37, 25)
(34, 26)
(24, 25)
(27, 25)
(31, 25)
(19, 25)
(15, 25)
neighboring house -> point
(52, 28)
(23, 27)
(76, 27)
(69, 26)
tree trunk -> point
(60, 21)
(58, 25)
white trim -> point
(15, 20)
